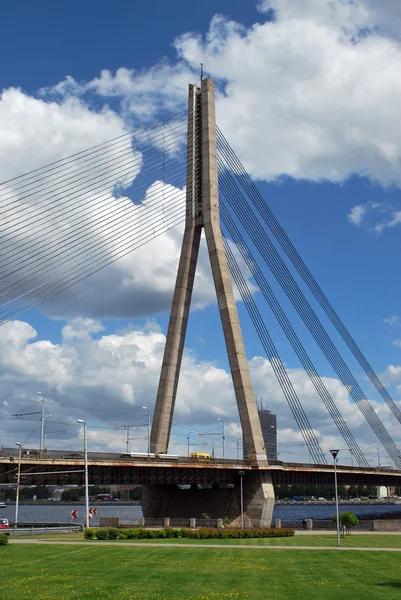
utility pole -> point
(127, 429)
(42, 423)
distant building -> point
(268, 423)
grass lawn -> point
(350, 541)
(44, 572)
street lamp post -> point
(86, 474)
(224, 435)
(188, 438)
(42, 422)
(18, 481)
(334, 455)
(241, 474)
(45, 432)
(146, 408)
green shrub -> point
(102, 534)
(347, 520)
(89, 534)
(195, 534)
(132, 534)
(3, 539)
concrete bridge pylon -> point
(202, 212)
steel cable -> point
(289, 331)
(279, 233)
(279, 370)
(291, 288)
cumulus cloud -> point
(375, 216)
(312, 93)
(107, 377)
(91, 216)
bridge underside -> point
(68, 472)
(218, 500)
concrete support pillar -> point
(192, 523)
(142, 522)
(259, 497)
(166, 522)
(277, 524)
(251, 429)
(219, 524)
(309, 524)
(170, 372)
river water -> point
(55, 513)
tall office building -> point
(268, 423)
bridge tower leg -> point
(202, 212)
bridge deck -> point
(106, 469)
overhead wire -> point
(266, 213)
(167, 225)
(143, 210)
(111, 180)
(166, 220)
(274, 261)
(289, 331)
(116, 213)
(51, 166)
(281, 374)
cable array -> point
(293, 338)
(239, 204)
(66, 221)
(241, 175)
(275, 361)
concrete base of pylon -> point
(160, 501)
(259, 497)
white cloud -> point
(397, 343)
(106, 379)
(393, 320)
(86, 221)
(357, 214)
(307, 95)
(374, 216)
(350, 14)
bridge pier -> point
(162, 501)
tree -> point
(72, 494)
(347, 520)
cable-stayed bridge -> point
(72, 218)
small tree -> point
(347, 520)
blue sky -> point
(297, 99)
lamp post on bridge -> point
(224, 434)
(334, 455)
(45, 433)
(188, 438)
(148, 415)
(86, 474)
(42, 422)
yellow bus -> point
(201, 457)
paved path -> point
(354, 532)
(237, 547)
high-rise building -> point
(268, 423)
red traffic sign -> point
(74, 513)
(92, 511)
(90, 516)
